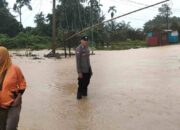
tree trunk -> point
(65, 53)
(69, 51)
(54, 28)
(20, 15)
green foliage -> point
(128, 44)
(40, 19)
(25, 40)
(159, 23)
(6, 41)
(112, 10)
(21, 40)
(19, 5)
(123, 31)
(3, 4)
(8, 24)
(72, 17)
(42, 28)
(39, 46)
(175, 23)
(165, 10)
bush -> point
(128, 44)
(39, 47)
(6, 41)
(22, 40)
(25, 40)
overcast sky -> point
(136, 20)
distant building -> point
(162, 38)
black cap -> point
(84, 37)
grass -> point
(40, 46)
(123, 45)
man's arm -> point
(78, 62)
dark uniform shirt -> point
(83, 59)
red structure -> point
(161, 38)
(153, 39)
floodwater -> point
(136, 89)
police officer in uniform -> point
(83, 67)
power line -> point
(137, 19)
(127, 3)
(116, 18)
(134, 3)
(138, 3)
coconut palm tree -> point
(112, 10)
(18, 7)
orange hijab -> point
(5, 60)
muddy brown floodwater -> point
(130, 90)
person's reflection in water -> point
(84, 115)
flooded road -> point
(130, 90)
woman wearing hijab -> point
(12, 86)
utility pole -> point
(53, 46)
(123, 15)
(20, 16)
(92, 36)
(167, 17)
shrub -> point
(25, 40)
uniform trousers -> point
(83, 84)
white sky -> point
(136, 20)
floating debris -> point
(27, 54)
(52, 55)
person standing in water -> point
(12, 87)
(83, 67)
